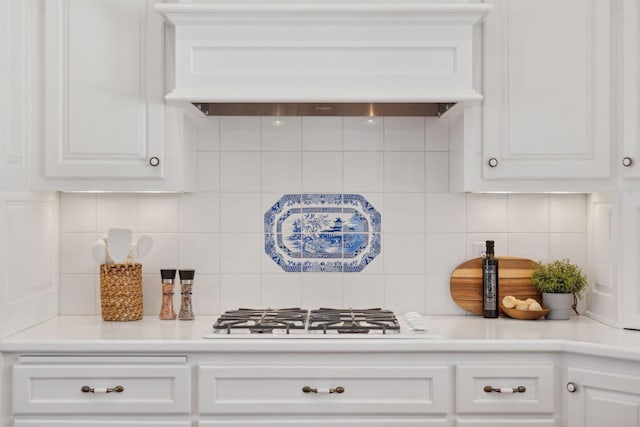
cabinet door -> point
(603, 399)
(630, 159)
(546, 108)
(104, 89)
(15, 90)
(630, 283)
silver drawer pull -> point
(116, 389)
(519, 389)
(308, 389)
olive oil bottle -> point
(490, 308)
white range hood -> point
(306, 56)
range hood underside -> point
(358, 109)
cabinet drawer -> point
(99, 423)
(57, 389)
(279, 389)
(395, 422)
(471, 396)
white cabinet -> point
(629, 159)
(106, 123)
(45, 388)
(630, 253)
(100, 423)
(391, 422)
(504, 389)
(505, 393)
(545, 123)
(16, 92)
(277, 389)
(602, 399)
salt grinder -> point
(168, 279)
(186, 284)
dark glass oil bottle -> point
(490, 308)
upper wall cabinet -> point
(106, 123)
(629, 159)
(15, 99)
(546, 115)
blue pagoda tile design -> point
(322, 232)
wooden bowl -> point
(522, 314)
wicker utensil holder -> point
(121, 291)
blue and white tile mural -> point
(322, 232)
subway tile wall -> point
(245, 164)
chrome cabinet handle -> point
(519, 389)
(492, 162)
(154, 161)
(116, 389)
(627, 161)
(572, 387)
(307, 389)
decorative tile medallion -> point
(322, 232)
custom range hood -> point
(322, 57)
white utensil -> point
(132, 253)
(119, 244)
(144, 245)
(99, 251)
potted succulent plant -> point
(560, 283)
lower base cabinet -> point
(597, 398)
(320, 390)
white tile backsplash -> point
(403, 212)
(362, 171)
(567, 213)
(117, 210)
(404, 172)
(404, 134)
(405, 292)
(322, 172)
(208, 164)
(363, 134)
(246, 164)
(322, 133)
(275, 177)
(528, 212)
(240, 133)
(281, 133)
(487, 212)
(158, 213)
(78, 212)
(240, 171)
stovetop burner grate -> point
(353, 321)
(262, 321)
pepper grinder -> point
(168, 279)
(186, 284)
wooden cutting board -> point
(514, 278)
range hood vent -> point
(322, 57)
(323, 109)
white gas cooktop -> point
(408, 326)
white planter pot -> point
(559, 305)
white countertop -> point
(458, 333)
